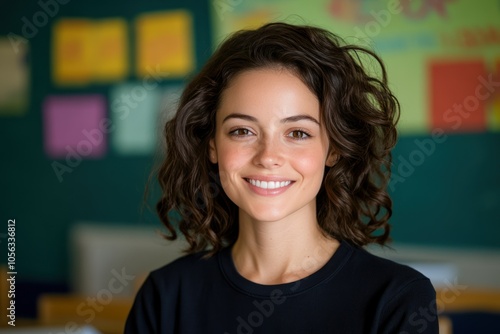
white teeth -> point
(269, 184)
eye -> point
(241, 132)
(298, 135)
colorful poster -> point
(165, 44)
(14, 78)
(411, 38)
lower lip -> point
(268, 192)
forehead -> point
(270, 90)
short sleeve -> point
(411, 310)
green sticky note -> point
(135, 110)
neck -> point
(281, 251)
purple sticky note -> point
(75, 125)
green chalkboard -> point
(449, 194)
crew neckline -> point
(240, 283)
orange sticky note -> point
(165, 44)
(72, 51)
(455, 95)
(110, 50)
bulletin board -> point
(94, 80)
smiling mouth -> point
(268, 184)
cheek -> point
(231, 160)
(310, 164)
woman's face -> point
(269, 145)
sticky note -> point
(75, 125)
(14, 78)
(110, 48)
(135, 108)
(86, 51)
(72, 52)
(165, 44)
(457, 103)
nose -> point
(268, 153)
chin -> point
(266, 214)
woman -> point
(275, 172)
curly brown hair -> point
(357, 108)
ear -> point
(212, 152)
(331, 159)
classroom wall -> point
(446, 188)
(106, 185)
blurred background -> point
(85, 87)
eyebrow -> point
(290, 119)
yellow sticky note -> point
(165, 44)
(110, 50)
(72, 51)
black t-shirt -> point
(354, 292)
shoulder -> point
(184, 275)
(395, 282)
(161, 291)
(401, 292)
(369, 265)
(185, 267)
(186, 262)
(386, 279)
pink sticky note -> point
(75, 125)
